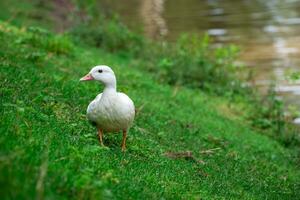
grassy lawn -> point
(49, 150)
(185, 143)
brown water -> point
(267, 31)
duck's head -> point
(101, 73)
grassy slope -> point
(48, 149)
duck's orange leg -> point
(100, 135)
(124, 140)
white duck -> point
(110, 110)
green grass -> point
(49, 150)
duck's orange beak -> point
(87, 77)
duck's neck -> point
(110, 88)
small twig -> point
(175, 91)
(40, 182)
(139, 109)
(142, 130)
(210, 151)
(61, 158)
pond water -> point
(267, 32)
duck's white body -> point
(111, 111)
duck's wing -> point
(128, 105)
(125, 99)
(91, 109)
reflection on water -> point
(268, 32)
(154, 23)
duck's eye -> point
(100, 70)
